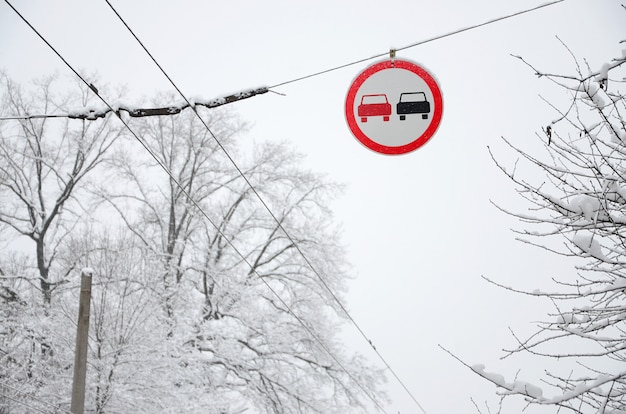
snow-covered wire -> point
(190, 198)
(92, 114)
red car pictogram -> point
(374, 105)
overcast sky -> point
(419, 228)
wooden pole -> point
(82, 340)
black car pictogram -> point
(413, 103)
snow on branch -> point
(534, 394)
(576, 208)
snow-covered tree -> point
(43, 163)
(251, 320)
(575, 189)
(201, 302)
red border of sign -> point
(419, 141)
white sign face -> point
(394, 107)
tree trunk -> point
(43, 272)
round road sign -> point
(394, 106)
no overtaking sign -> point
(394, 106)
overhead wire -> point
(196, 205)
(93, 114)
(27, 117)
(422, 42)
(265, 205)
